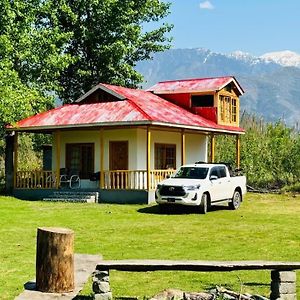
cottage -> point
(120, 142)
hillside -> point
(271, 90)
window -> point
(80, 159)
(202, 101)
(234, 110)
(220, 172)
(192, 172)
(228, 109)
(165, 156)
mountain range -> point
(271, 81)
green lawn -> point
(266, 227)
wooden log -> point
(55, 260)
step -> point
(71, 196)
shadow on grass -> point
(178, 210)
(83, 298)
(256, 284)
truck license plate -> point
(171, 199)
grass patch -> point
(266, 227)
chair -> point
(70, 178)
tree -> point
(32, 44)
(108, 39)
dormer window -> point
(202, 100)
(228, 110)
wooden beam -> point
(238, 151)
(135, 265)
(212, 148)
(101, 159)
(148, 157)
(183, 147)
(15, 160)
(57, 157)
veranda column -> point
(16, 148)
(212, 148)
(238, 151)
(183, 152)
(57, 158)
(9, 162)
(148, 157)
(101, 159)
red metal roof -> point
(138, 107)
(194, 85)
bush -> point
(270, 153)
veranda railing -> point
(113, 180)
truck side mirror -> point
(213, 177)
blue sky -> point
(254, 26)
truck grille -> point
(167, 190)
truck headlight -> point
(192, 187)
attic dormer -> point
(216, 99)
(98, 94)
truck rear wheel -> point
(236, 200)
(203, 204)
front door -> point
(118, 155)
(118, 160)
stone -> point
(100, 287)
(101, 276)
(283, 276)
(104, 296)
(279, 288)
(284, 297)
(169, 294)
(198, 296)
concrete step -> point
(68, 196)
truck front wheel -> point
(236, 200)
(203, 204)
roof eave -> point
(126, 123)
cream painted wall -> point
(196, 148)
(93, 136)
(196, 145)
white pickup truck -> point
(202, 185)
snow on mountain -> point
(245, 56)
(285, 58)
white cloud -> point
(206, 5)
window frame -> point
(164, 147)
(86, 174)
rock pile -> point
(214, 294)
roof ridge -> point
(135, 105)
(197, 78)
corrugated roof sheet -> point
(138, 107)
(194, 85)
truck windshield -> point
(190, 172)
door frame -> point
(110, 153)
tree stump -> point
(55, 260)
